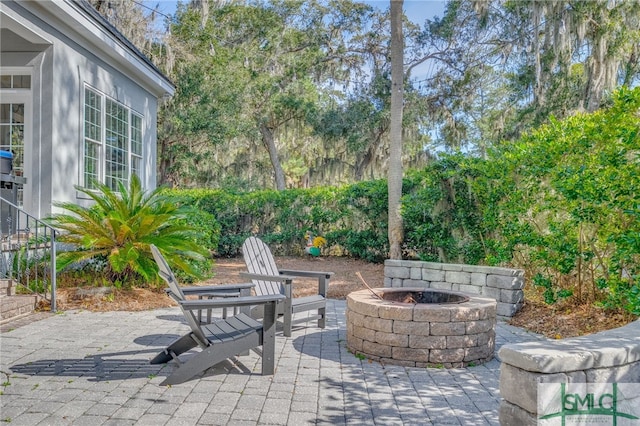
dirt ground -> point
(343, 282)
(227, 271)
(553, 321)
(567, 320)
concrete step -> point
(12, 307)
(7, 288)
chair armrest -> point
(212, 289)
(285, 280)
(276, 278)
(196, 305)
(312, 274)
(323, 278)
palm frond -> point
(120, 226)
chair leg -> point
(269, 339)
(288, 314)
(322, 312)
(179, 346)
(287, 323)
(209, 357)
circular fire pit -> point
(419, 327)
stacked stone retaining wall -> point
(611, 356)
(504, 285)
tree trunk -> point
(396, 228)
(270, 144)
(365, 160)
(362, 163)
(164, 163)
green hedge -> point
(573, 204)
(352, 218)
(563, 202)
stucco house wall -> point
(67, 47)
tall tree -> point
(135, 22)
(396, 228)
(510, 65)
(581, 50)
(361, 121)
(272, 61)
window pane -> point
(136, 162)
(17, 147)
(5, 113)
(92, 114)
(136, 135)
(112, 142)
(21, 81)
(12, 133)
(15, 82)
(5, 138)
(91, 164)
(136, 145)
(17, 113)
(115, 170)
(92, 138)
(116, 145)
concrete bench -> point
(611, 356)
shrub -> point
(352, 218)
(120, 227)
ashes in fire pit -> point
(424, 296)
(420, 327)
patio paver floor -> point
(91, 368)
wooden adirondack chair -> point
(269, 280)
(223, 337)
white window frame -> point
(133, 161)
(22, 96)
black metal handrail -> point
(27, 251)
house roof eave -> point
(9, 20)
(96, 30)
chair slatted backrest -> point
(259, 260)
(166, 274)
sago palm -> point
(120, 226)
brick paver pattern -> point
(86, 368)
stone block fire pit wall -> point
(504, 285)
(447, 330)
